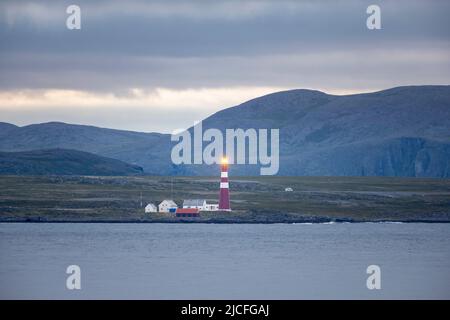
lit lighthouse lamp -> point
(224, 200)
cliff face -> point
(406, 157)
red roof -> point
(181, 210)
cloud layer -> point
(207, 47)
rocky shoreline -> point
(260, 200)
(311, 220)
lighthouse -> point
(224, 199)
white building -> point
(166, 205)
(288, 189)
(150, 208)
(211, 207)
(199, 204)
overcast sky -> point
(161, 65)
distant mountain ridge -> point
(402, 131)
(131, 147)
(63, 162)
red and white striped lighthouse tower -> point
(224, 200)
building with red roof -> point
(187, 213)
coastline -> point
(254, 200)
(221, 221)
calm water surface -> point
(208, 261)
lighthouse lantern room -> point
(224, 199)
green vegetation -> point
(63, 162)
(254, 199)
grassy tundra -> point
(253, 199)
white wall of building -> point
(166, 205)
(150, 208)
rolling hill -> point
(63, 162)
(402, 131)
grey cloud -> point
(183, 44)
(288, 26)
(359, 69)
(126, 118)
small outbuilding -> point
(150, 208)
(187, 213)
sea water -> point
(224, 261)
